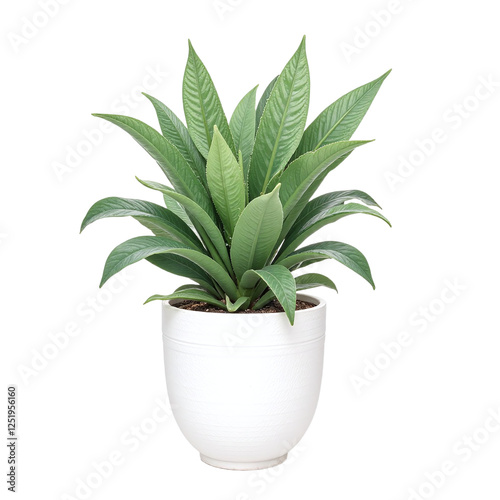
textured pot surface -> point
(243, 387)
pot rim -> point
(318, 301)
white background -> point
(378, 442)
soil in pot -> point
(272, 307)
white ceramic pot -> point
(243, 387)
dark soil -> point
(272, 307)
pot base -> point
(221, 464)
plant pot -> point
(243, 387)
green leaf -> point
(299, 180)
(159, 220)
(202, 105)
(176, 132)
(308, 193)
(242, 125)
(241, 304)
(173, 164)
(181, 266)
(256, 233)
(263, 101)
(341, 119)
(326, 201)
(341, 252)
(202, 221)
(264, 300)
(189, 286)
(321, 218)
(303, 282)
(193, 294)
(282, 123)
(280, 281)
(329, 200)
(226, 183)
(142, 247)
(245, 188)
(177, 209)
(313, 280)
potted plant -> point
(239, 206)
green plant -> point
(240, 202)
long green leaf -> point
(242, 125)
(341, 252)
(159, 220)
(307, 195)
(226, 183)
(177, 209)
(189, 286)
(341, 119)
(202, 105)
(282, 123)
(280, 281)
(190, 294)
(313, 280)
(263, 101)
(181, 266)
(304, 172)
(177, 133)
(264, 300)
(303, 282)
(241, 304)
(173, 164)
(256, 233)
(142, 247)
(329, 200)
(202, 221)
(316, 221)
(245, 184)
